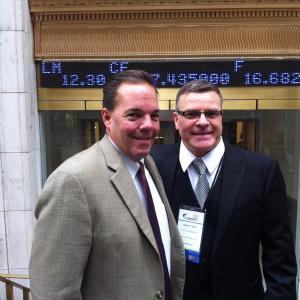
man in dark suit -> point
(245, 211)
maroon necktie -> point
(155, 228)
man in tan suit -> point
(93, 238)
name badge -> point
(190, 226)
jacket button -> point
(159, 294)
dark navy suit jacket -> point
(253, 212)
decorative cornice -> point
(94, 29)
(63, 3)
(171, 15)
(207, 40)
(79, 10)
(57, 6)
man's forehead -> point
(137, 85)
(199, 97)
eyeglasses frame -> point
(183, 113)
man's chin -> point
(140, 155)
(143, 145)
(201, 148)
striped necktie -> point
(202, 186)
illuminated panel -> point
(174, 73)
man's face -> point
(134, 122)
(200, 135)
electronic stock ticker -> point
(173, 73)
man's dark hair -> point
(129, 76)
(198, 86)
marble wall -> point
(20, 176)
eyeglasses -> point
(194, 114)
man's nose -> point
(147, 122)
(202, 120)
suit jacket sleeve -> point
(62, 239)
(278, 257)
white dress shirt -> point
(211, 159)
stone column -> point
(20, 177)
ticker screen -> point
(173, 73)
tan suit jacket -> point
(93, 239)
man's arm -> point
(62, 239)
(279, 263)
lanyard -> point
(218, 171)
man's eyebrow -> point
(137, 110)
(133, 111)
(156, 111)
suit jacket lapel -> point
(233, 174)
(177, 253)
(124, 184)
(159, 185)
(168, 171)
(155, 177)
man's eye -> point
(155, 116)
(132, 116)
(191, 114)
(211, 114)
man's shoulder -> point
(160, 152)
(166, 158)
(250, 158)
(81, 161)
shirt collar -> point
(211, 159)
(131, 165)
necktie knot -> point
(200, 166)
(142, 168)
(142, 178)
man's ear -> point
(175, 119)
(106, 117)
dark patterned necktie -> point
(155, 228)
(202, 186)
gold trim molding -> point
(169, 15)
(250, 104)
(169, 94)
(279, 104)
(112, 29)
(133, 5)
